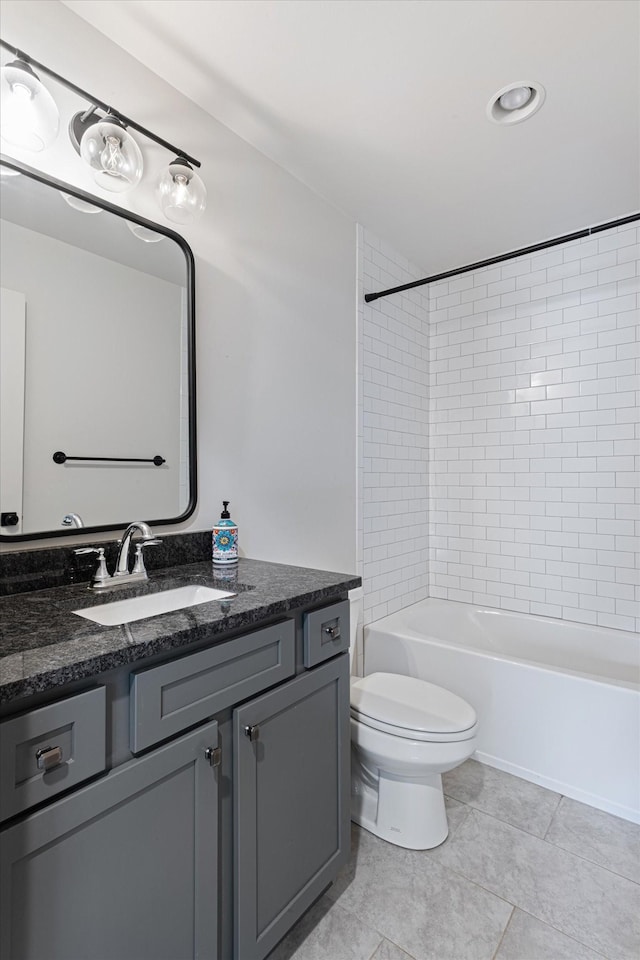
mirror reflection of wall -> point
(102, 316)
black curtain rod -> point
(578, 235)
(21, 55)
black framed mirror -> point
(97, 363)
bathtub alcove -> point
(558, 702)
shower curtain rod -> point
(578, 235)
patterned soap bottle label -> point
(225, 544)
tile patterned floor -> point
(525, 874)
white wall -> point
(275, 284)
(393, 355)
(102, 379)
(534, 433)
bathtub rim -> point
(410, 633)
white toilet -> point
(405, 733)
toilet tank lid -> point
(411, 704)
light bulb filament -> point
(111, 157)
(181, 190)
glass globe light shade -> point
(113, 155)
(29, 116)
(181, 193)
(83, 206)
(144, 233)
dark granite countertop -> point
(44, 645)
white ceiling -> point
(379, 106)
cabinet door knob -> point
(253, 732)
(214, 756)
(48, 757)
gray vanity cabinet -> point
(125, 867)
(291, 802)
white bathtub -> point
(558, 702)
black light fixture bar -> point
(21, 55)
(578, 235)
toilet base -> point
(408, 813)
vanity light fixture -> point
(104, 141)
(113, 155)
(29, 117)
(516, 102)
(180, 192)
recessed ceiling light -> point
(515, 102)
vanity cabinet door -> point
(114, 870)
(291, 802)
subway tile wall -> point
(393, 453)
(533, 433)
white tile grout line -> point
(551, 843)
(502, 936)
(551, 927)
(553, 816)
(492, 893)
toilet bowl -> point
(405, 733)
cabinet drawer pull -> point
(333, 632)
(253, 732)
(48, 757)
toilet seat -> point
(411, 708)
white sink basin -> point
(137, 608)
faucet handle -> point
(138, 564)
(101, 575)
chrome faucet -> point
(102, 579)
(148, 539)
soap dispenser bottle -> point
(225, 539)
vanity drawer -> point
(326, 633)
(167, 699)
(48, 750)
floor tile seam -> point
(502, 935)
(519, 907)
(403, 949)
(569, 936)
(556, 846)
(475, 883)
(553, 816)
(508, 823)
(369, 926)
(451, 832)
(512, 776)
(594, 863)
(377, 946)
(459, 876)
